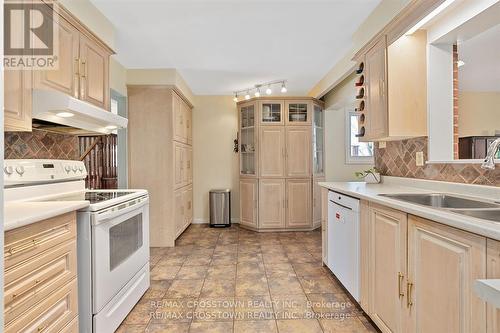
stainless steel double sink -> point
(487, 210)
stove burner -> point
(93, 197)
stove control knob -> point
(8, 170)
(20, 170)
(67, 168)
(75, 168)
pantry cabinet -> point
(82, 72)
(162, 140)
(281, 146)
(40, 276)
(417, 275)
(391, 95)
(492, 272)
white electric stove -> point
(113, 236)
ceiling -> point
(220, 46)
(480, 53)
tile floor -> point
(235, 280)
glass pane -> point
(247, 116)
(359, 149)
(124, 240)
(297, 112)
(271, 113)
(247, 142)
(318, 116)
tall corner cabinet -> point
(160, 157)
(281, 161)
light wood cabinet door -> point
(298, 112)
(492, 272)
(324, 225)
(188, 206)
(248, 202)
(66, 77)
(387, 263)
(316, 201)
(179, 115)
(189, 124)
(298, 152)
(179, 164)
(271, 112)
(271, 203)
(179, 211)
(94, 73)
(376, 71)
(272, 150)
(17, 100)
(188, 165)
(443, 263)
(298, 203)
(364, 260)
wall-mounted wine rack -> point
(360, 99)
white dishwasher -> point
(343, 241)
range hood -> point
(62, 113)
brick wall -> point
(40, 144)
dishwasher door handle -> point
(336, 203)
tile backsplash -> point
(398, 159)
(40, 144)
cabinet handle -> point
(41, 328)
(14, 250)
(400, 282)
(409, 288)
(77, 62)
(84, 72)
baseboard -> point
(205, 221)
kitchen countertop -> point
(488, 290)
(21, 213)
(394, 185)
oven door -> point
(120, 248)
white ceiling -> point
(219, 46)
(481, 55)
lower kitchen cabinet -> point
(271, 203)
(387, 262)
(443, 263)
(40, 285)
(298, 203)
(492, 272)
(316, 202)
(248, 202)
(324, 226)
(183, 213)
(364, 259)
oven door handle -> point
(119, 210)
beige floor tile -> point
(222, 272)
(299, 326)
(275, 258)
(310, 269)
(292, 306)
(173, 310)
(211, 327)
(192, 272)
(214, 309)
(217, 287)
(253, 308)
(224, 260)
(184, 288)
(251, 286)
(131, 329)
(168, 328)
(250, 269)
(348, 325)
(333, 303)
(319, 285)
(260, 326)
(282, 285)
(141, 313)
(197, 261)
(172, 260)
(279, 270)
(157, 289)
(164, 272)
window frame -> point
(349, 159)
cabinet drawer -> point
(30, 282)
(72, 327)
(51, 315)
(28, 241)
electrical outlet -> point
(382, 144)
(420, 158)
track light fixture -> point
(256, 89)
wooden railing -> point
(99, 154)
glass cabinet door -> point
(271, 112)
(247, 139)
(318, 140)
(298, 113)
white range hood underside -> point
(86, 117)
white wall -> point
(336, 100)
(215, 165)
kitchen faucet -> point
(489, 161)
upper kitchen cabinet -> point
(182, 117)
(271, 112)
(391, 88)
(318, 137)
(298, 112)
(17, 100)
(248, 139)
(83, 69)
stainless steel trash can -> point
(220, 208)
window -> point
(356, 152)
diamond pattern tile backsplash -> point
(398, 159)
(40, 144)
